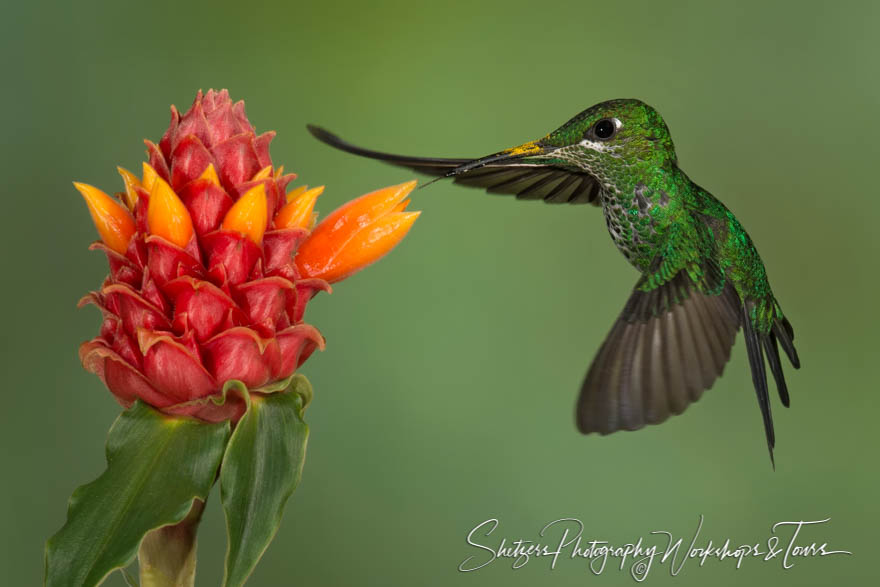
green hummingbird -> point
(701, 275)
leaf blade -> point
(144, 487)
(260, 470)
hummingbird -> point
(701, 276)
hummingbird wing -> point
(668, 346)
(555, 185)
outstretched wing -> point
(554, 185)
(668, 346)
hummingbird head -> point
(617, 129)
(606, 140)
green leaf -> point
(129, 578)
(261, 468)
(156, 466)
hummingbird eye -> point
(605, 129)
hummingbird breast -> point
(632, 219)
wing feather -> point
(666, 348)
(553, 184)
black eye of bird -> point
(605, 128)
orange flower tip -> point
(384, 200)
(296, 192)
(149, 177)
(249, 214)
(401, 206)
(115, 225)
(279, 172)
(210, 174)
(264, 173)
(167, 217)
(297, 212)
(405, 220)
(131, 182)
(372, 244)
(383, 235)
(364, 249)
(404, 189)
(315, 192)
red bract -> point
(203, 287)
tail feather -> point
(761, 345)
(759, 377)
(772, 351)
(785, 334)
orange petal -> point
(264, 173)
(297, 213)
(337, 228)
(296, 192)
(279, 172)
(167, 216)
(131, 182)
(364, 248)
(114, 223)
(249, 214)
(149, 178)
(401, 206)
(211, 175)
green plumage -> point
(702, 278)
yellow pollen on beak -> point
(529, 148)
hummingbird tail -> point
(755, 347)
(766, 345)
(785, 335)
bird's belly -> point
(632, 229)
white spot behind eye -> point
(598, 146)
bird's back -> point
(737, 257)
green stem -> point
(167, 555)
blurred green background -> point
(445, 395)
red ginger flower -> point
(204, 285)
